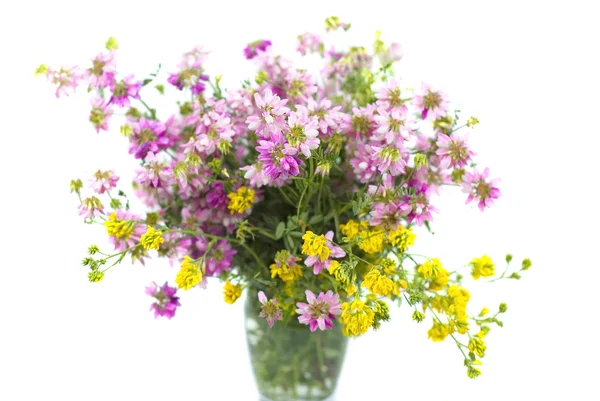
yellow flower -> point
(389, 266)
(357, 317)
(431, 268)
(440, 281)
(315, 245)
(118, 228)
(152, 239)
(351, 290)
(482, 266)
(477, 346)
(459, 297)
(435, 272)
(232, 292)
(372, 240)
(483, 312)
(285, 272)
(189, 275)
(438, 332)
(352, 228)
(402, 238)
(241, 200)
(377, 283)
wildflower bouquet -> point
(303, 189)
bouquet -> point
(305, 189)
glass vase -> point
(291, 363)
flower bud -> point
(76, 185)
(95, 276)
(112, 44)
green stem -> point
(288, 200)
(255, 256)
(152, 111)
(201, 234)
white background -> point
(528, 71)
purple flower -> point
(123, 90)
(251, 50)
(270, 310)
(278, 157)
(148, 136)
(419, 206)
(166, 302)
(220, 258)
(320, 311)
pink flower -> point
(394, 127)
(272, 114)
(191, 73)
(418, 205)
(389, 97)
(391, 54)
(91, 207)
(155, 172)
(123, 90)
(309, 43)
(65, 79)
(389, 215)
(100, 114)
(270, 310)
(101, 73)
(453, 150)
(166, 302)
(433, 104)
(300, 85)
(365, 166)
(256, 175)
(320, 311)
(389, 159)
(479, 188)
(328, 117)
(303, 133)
(104, 181)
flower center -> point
(431, 100)
(145, 136)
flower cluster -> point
(306, 188)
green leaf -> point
(280, 230)
(296, 234)
(289, 243)
(315, 219)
